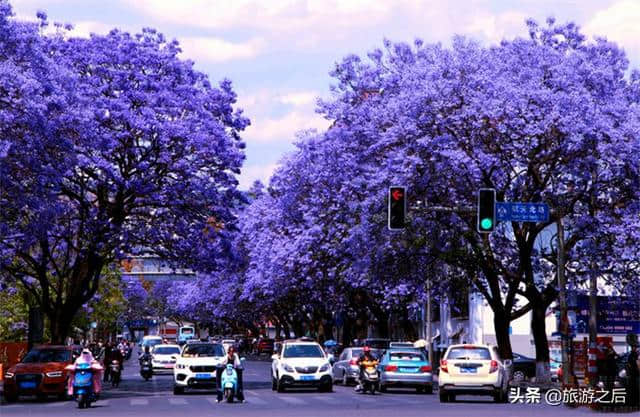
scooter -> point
(146, 370)
(83, 391)
(115, 372)
(371, 377)
(229, 383)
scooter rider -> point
(230, 358)
(146, 355)
(366, 355)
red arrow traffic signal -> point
(397, 194)
(397, 208)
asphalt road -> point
(136, 397)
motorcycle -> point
(370, 377)
(82, 377)
(116, 373)
(146, 370)
(229, 383)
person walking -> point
(107, 362)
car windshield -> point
(471, 352)
(406, 356)
(47, 355)
(196, 351)
(303, 351)
(186, 330)
(166, 350)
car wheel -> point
(519, 376)
(444, 398)
(10, 398)
(274, 383)
(345, 379)
(178, 390)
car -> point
(523, 368)
(303, 364)
(406, 368)
(163, 358)
(265, 346)
(196, 366)
(150, 341)
(41, 372)
(346, 368)
(472, 369)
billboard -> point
(616, 315)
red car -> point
(265, 346)
(41, 372)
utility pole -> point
(562, 300)
(429, 337)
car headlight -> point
(9, 375)
(325, 367)
(54, 374)
(287, 368)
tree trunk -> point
(60, 323)
(539, 332)
(35, 333)
(501, 325)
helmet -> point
(366, 349)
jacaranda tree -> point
(128, 150)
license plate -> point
(409, 370)
(307, 378)
(28, 385)
(468, 370)
(203, 376)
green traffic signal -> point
(486, 224)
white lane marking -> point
(212, 400)
(256, 400)
(323, 398)
(251, 392)
(291, 400)
(139, 401)
(362, 398)
(177, 401)
(102, 403)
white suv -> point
(196, 366)
(301, 363)
(472, 370)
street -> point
(136, 397)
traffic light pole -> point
(562, 300)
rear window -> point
(472, 352)
(406, 356)
(166, 350)
(186, 330)
(47, 355)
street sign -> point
(522, 212)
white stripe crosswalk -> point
(139, 401)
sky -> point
(278, 53)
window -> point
(166, 350)
(406, 356)
(302, 351)
(204, 350)
(471, 352)
(47, 355)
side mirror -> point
(274, 356)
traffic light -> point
(397, 207)
(486, 210)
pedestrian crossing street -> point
(343, 397)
